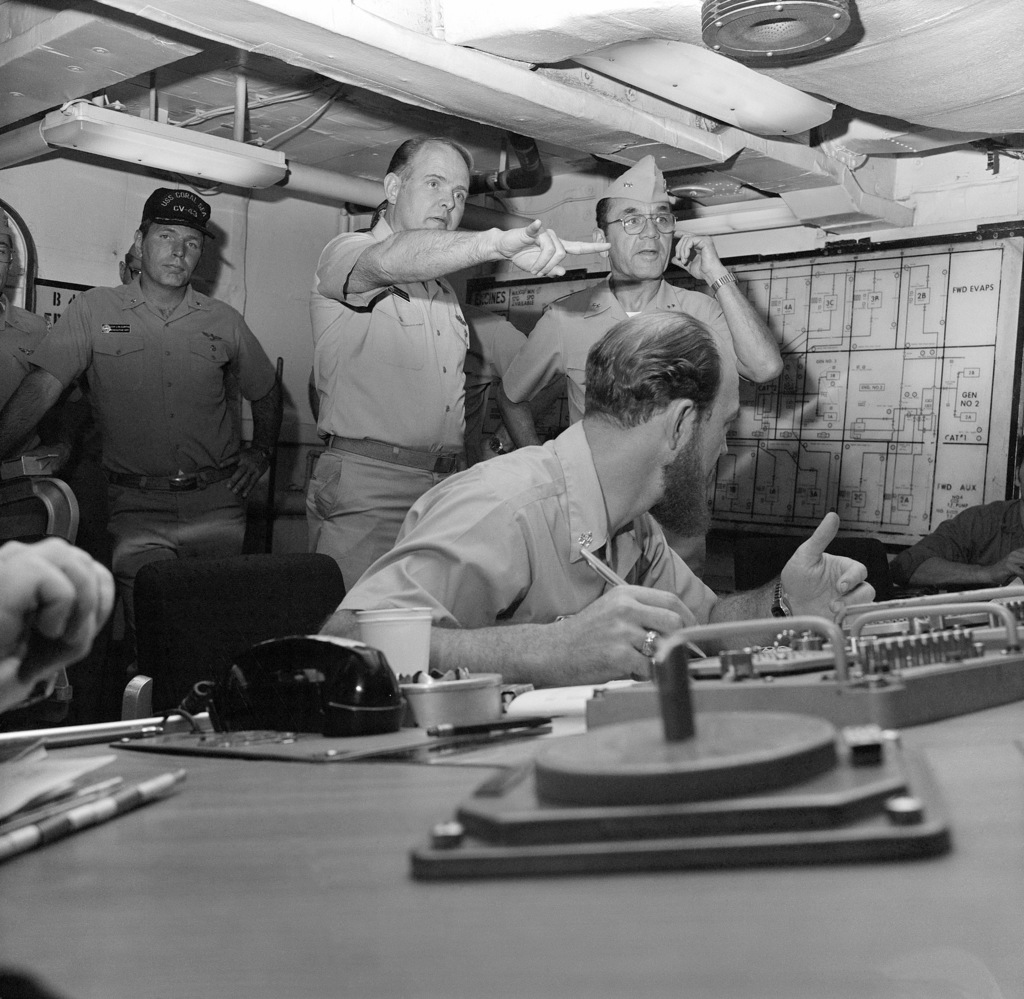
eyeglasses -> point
(634, 224)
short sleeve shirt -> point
(388, 363)
(493, 343)
(157, 385)
(20, 333)
(500, 543)
(569, 327)
(979, 535)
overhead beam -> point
(72, 54)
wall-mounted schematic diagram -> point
(897, 406)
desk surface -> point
(292, 880)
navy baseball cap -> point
(168, 206)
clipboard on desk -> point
(289, 747)
(408, 745)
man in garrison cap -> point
(635, 217)
(158, 354)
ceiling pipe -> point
(23, 144)
(241, 107)
(527, 175)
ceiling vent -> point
(764, 29)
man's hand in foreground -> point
(821, 584)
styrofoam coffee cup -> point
(401, 633)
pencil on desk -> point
(92, 813)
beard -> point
(683, 507)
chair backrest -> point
(192, 616)
(760, 558)
(37, 506)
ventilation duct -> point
(749, 29)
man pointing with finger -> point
(495, 551)
(389, 345)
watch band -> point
(726, 278)
(780, 605)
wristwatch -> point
(780, 605)
(726, 278)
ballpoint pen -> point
(601, 569)
(498, 725)
(58, 826)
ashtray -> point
(468, 701)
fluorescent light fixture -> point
(124, 137)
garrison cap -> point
(641, 182)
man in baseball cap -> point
(176, 207)
(160, 357)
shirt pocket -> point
(397, 337)
(202, 349)
(207, 364)
(123, 355)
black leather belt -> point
(180, 483)
(427, 461)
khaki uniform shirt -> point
(569, 327)
(500, 543)
(979, 535)
(388, 363)
(157, 386)
(20, 332)
(493, 343)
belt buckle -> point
(183, 482)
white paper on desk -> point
(33, 781)
(553, 702)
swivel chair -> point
(37, 506)
(193, 616)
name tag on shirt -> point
(116, 328)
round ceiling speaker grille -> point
(767, 28)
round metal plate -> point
(733, 753)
